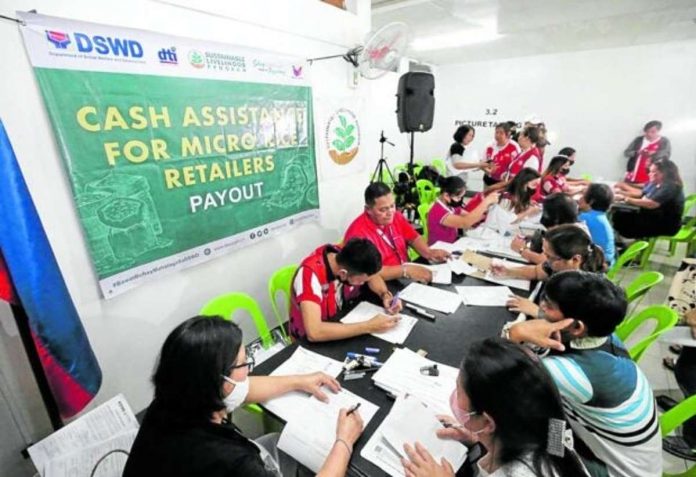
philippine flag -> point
(30, 276)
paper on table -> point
(102, 423)
(309, 437)
(509, 282)
(449, 247)
(410, 421)
(442, 274)
(366, 311)
(680, 335)
(431, 297)
(84, 460)
(401, 374)
(484, 296)
(460, 267)
(471, 243)
(302, 361)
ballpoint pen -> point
(353, 409)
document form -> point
(112, 418)
(302, 361)
(366, 311)
(431, 297)
(409, 421)
(309, 437)
(484, 296)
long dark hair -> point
(493, 371)
(555, 165)
(458, 136)
(569, 240)
(194, 357)
(558, 209)
(517, 189)
(670, 172)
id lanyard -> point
(391, 242)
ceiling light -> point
(454, 39)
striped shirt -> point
(609, 405)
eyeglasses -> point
(251, 362)
(460, 414)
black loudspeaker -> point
(415, 102)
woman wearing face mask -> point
(566, 247)
(446, 215)
(553, 180)
(461, 157)
(201, 377)
(517, 435)
(557, 209)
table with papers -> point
(446, 340)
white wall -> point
(596, 101)
(126, 332)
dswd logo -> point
(59, 39)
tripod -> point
(382, 165)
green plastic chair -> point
(640, 286)
(665, 319)
(439, 166)
(226, 305)
(427, 192)
(281, 281)
(686, 234)
(674, 418)
(617, 272)
(423, 210)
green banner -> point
(161, 165)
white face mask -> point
(236, 398)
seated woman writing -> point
(202, 376)
(660, 204)
(553, 180)
(518, 436)
(566, 247)
(447, 215)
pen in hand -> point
(353, 409)
(449, 425)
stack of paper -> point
(484, 296)
(311, 434)
(431, 297)
(401, 373)
(366, 311)
(76, 448)
(410, 421)
(302, 361)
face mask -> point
(455, 203)
(236, 398)
(565, 170)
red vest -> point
(517, 164)
(329, 307)
(639, 174)
(548, 185)
(501, 158)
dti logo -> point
(59, 39)
(168, 56)
(106, 45)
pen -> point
(395, 299)
(421, 311)
(353, 409)
(449, 425)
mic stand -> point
(379, 174)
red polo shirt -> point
(391, 240)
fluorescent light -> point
(457, 38)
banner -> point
(177, 150)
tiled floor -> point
(661, 379)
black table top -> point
(446, 340)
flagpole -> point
(47, 397)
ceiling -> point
(497, 29)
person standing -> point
(644, 150)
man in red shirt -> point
(329, 276)
(391, 233)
